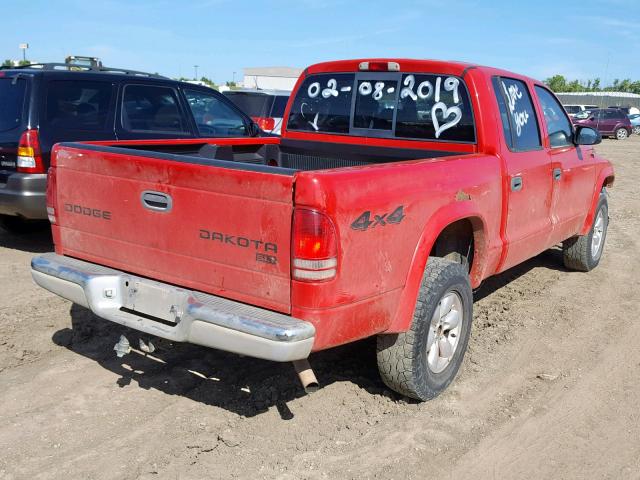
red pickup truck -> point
(396, 188)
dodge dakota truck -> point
(396, 187)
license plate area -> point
(154, 299)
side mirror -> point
(587, 136)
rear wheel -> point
(621, 133)
(583, 253)
(423, 361)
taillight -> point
(314, 251)
(52, 204)
(29, 153)
(265, 123)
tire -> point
(636, 129)
(19, 225)
(405, 364)
(583, 253)
(621, 133)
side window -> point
(279, 106)
(152, 109)
(504, 113)
(213, 116)
(78, 105)
(558, 125)
(523, 124)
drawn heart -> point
(446, 113)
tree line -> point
(558, 83)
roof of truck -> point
(411, 65)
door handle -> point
(516, 183)
(156, 201)
(557, 173)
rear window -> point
(572, 108)
(152, 109)
(408, 106)
(279, 106)
(435, 107)
(12, 97)
(253, 104)
(323, 104)
(74, 105)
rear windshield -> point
(11, 102)
(279, 106)
(400, 105)
(253, 104)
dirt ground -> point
(550, 387)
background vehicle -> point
(635, 122)
(572, 110)
(50, 103)
(265, 107)
(627, 110)
(610, 122)
(366, 224)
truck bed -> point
(298, 155)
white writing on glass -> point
(513, 95)
(424, 91)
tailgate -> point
(219, 227)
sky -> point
(540, 38)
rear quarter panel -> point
(376, 263)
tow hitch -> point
(123, 347)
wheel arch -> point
(606, 178)
(444, 223)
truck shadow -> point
(36, 241)
(243, 385)
(549, 259)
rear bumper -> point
(24, 194)
(175, 313)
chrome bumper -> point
(175, 313)
(24, 194)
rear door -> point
(151, 111)
(529, 182)
(209, 225)
(14, 94)
(573, 171)
(75, 109)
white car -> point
(265, 107)
(572, 110)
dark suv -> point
(608, 121)
(42, 105)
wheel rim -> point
(636, 130)
(622, 133)
(597, 238)
(444, 331)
